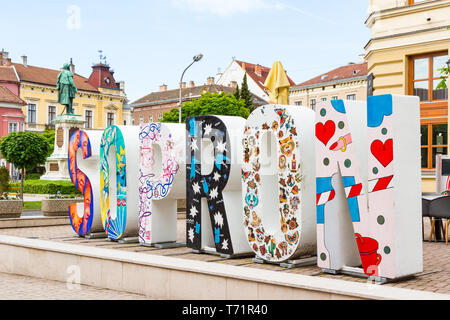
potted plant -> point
(10, 207)
(58, 205)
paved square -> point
(435, 278)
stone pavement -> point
(436, 257)
(15, 287)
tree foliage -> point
(209, 104)
(4, 179)
(49, 135)
(445, 71)
(25, 150)
(246, 95)
(237, 94)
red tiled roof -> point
(49, 76)
(188, 93)
(7, 96)
(260, 78)
(346, 72)
(7, 74)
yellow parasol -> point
(278, 84)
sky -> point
(150, 42)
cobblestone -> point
(16, 287)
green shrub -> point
(4, 179)
(47, 187)
(34, 176)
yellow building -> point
(99, 100)
(348, 82)
(410, 41)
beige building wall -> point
(341, 90)
(400, 31)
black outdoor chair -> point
(425, 212)
(440, 209)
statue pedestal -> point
(56, 166)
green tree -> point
(246, 95)
(4, 179)
(445, 71)
(237, 94)
(49, 135)
(25, 150)
(209, 103)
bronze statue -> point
(66, 88)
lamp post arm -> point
(181, 81)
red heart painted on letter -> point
(325, 132)
(384, 153)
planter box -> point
(57, 207)
(11, 208)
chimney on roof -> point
(362, 58)
(183, 85)
(258, 70)
(24, 60)
(210, 81)
(163, 88)
(8, 62)
(191, 84)
(121, 85)
(72, 66)
(244, 66)
(3, 57)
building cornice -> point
(324, 84)
(404, 10)
(397, 35)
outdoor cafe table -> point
(438, 223)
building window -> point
(351, 97)
(31, 113)
(334, 98)
(312, 104)
(88, 118)
(109, 119)
(150, 119)
(425, 77)
(160, 115)
(124, 122)
(13, 127)
(433, 138)
(298, 103)
(141, 119)
(323, 99)
(51, 114)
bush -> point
(47, 187)
(33, 176)
(4, 179)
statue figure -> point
(66, 88)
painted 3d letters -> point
(368, 170)
(220, 184)
(161, 181)
(85, 217)
(120, 219)
(278, 186)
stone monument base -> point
(56, 166)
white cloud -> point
(222, 7)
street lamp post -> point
(195, 59)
